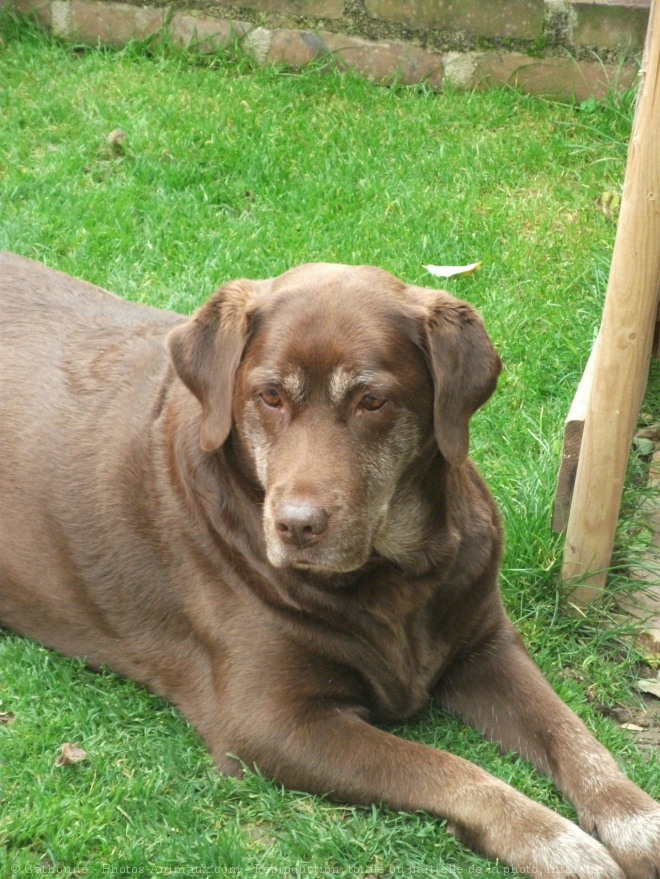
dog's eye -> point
(271, 398)
(372, 402)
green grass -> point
(230, 171)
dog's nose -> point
(301, 522)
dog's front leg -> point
(323, 748)
(500, 691)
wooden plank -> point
(622, 359)
(570, 453)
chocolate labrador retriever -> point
(265, 513)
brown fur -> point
(265, 513)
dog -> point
(266, 514)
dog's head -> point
(337, 384)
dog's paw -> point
(573, 854)
(552, 847)
(633, 840)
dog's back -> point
(78, 368)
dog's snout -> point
(301, 523)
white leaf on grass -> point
(452, 271)
(652, 687)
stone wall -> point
(574, 49)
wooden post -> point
(621, 362)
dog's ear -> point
(463, 363)
(206, 352)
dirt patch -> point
(641, 720)
(643, 723)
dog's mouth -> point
(323, 558)
(329, 569)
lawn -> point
(231, 171)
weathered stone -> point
(295, 48)
(459, 68)
(257, 43)
(114, 24)
(386, 62)
(620, 24)
(319, 8)
(484, 18)
(203, 33)
(562, 78)
(60, 13)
